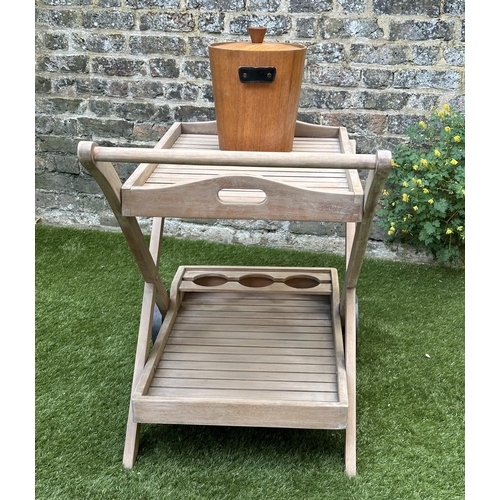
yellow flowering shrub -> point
(423, 204)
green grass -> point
(410, 386)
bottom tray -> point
(248, 346)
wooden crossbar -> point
(234, 158)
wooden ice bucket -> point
(256, 92)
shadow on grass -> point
(244, 444)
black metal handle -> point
(250, 74)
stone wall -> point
(120, 72)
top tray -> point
(246, 192)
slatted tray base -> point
(249, 346)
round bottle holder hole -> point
(301, 282)
(210, 280)
(256, 280)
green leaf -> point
(441, 205)
(429, 227)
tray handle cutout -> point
(234, 196)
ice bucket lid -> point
(257, 44)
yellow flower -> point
(390, 232)
(447, 129)
(460, 229)
(393, 163)
(385, 192)
(425, 191)
(406, 198)
(449, 231)
(431, 201)
(405, 184)
(456, 138)
(415, 167)
(441, 114)
(447, 108)
(453, 161)
(415, 208)
(436, 152)
(423, 124)
(424, 162)
(463, 191)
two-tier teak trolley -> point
(244, 346)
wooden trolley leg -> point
(107, 178)
(143, 342)
(350, 352)
(355, 251)
(146, 322)
(350, 231)
(350, 355)
(147, 260)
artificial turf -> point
(410, 383)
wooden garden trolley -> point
(245, 346)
